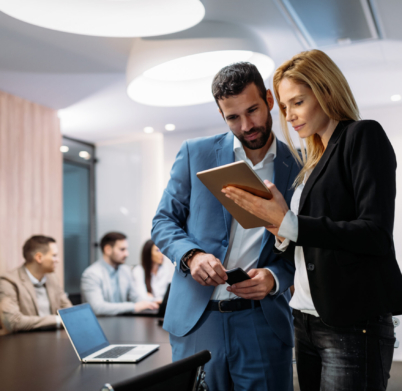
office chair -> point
(184, 375)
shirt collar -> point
(34, 280)
(238, 149)
(110, 269)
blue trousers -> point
(246, 354)
(351, 358)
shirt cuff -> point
(58, 322)
(276, 282)
(282, 246)
(289, 228)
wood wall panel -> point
(31, 197)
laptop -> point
(160, 312)
(89, 340)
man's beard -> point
(259, 142)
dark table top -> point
(45, 360)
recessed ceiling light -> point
(396, 98)
(170, 127)
(108, 18)
(187, 80)
(64, 148)
(148, 129)
(85, 155)
(182, 74)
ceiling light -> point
(124, 211)
(182, 74)
(396, 98)
(170, 127)
(148, 129)
(64, 148)
(108, 18)
(85, 155)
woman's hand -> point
(272, 211)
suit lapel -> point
(51, 294)
(225, 155)
(27, 283)
(122, 285)
(315, 174)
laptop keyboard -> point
(116, 352)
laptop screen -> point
(83, 329)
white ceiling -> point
(85, 76)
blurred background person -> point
(155, 273)
(31, 294)
(108, 285)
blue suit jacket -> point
(189, 217)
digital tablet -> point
(241, 175)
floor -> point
(394, 384)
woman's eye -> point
(299, 103)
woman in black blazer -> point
(339, 231)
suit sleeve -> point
(168, 231)
(372, 164)
(13, 319)
(92, 293)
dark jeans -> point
(351, 358)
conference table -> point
(46, 360)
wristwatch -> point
(188, 255)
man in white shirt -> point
(247, 327)
(107, 285)
(31, 294)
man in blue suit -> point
(247, 327)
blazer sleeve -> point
(168, 224)
(92, 293)
(12, 319)
(372, 164)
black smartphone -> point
(236, 275)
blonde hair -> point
(317, 71)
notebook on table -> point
(89, 340)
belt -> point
(232, 305)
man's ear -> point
(38, 257)
(107, 250)
(270, 99)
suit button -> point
(174, 264)
(224, 243)
(310, 267)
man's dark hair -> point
(36, 243)
(233, 79)
(111, 238)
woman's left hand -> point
(272, 211)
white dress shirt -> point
(289, 229)
(159, 281)
(41, 297)
(245, 244)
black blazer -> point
(346, 220)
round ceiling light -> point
(181, 74)
(108, 18)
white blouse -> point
(289, 229)
(159, 281)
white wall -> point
(388, 117)
(129, 185)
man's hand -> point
(145, 305)
(260, 284)
(207, 270)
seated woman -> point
(338, 232)
(154, 274)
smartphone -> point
(236, 275)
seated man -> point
(31, 294)
(107, 285)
